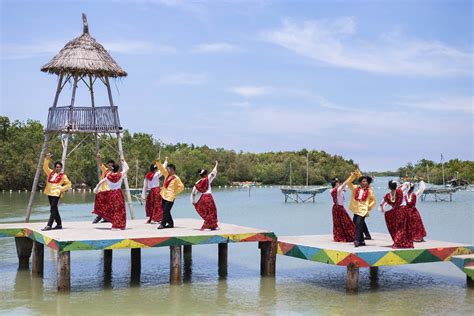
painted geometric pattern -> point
(62, 246)
(371, 259)
(465, 264)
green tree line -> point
(20, 145)
(454, 168)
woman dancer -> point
(112, 207)
(153, 206)
(343, 228)
(205, 206)
(396, 217)
(416, 226)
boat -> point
(301, 194)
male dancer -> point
(105, 170)
(172, 186)
(56, 184)
(362, 202)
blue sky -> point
(381, 82)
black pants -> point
(54, 211)
(167, 218)
(361, 228)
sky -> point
(381, 82)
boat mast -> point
(307, 169)
(442, 168)
(291, 176)
(427, 173)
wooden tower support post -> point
(65, 142)
(222, 261)
(97, 147)
(37, 261)
(120, 147)
(175, 264)
(64, 271)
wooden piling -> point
(222, 259)
(64, 271)
(24, 246)
(267, 257)
(352, 278)
(136, 264)
(175, 264)
(37, 261)
(107, 260)
(188, 262)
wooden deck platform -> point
(76, 236)
(377, 253)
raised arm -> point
(193, 195)
(46, 168)
(421, 188)
(213, 173)
(99, 184)
(405, 187)
(351, 179)
(160, 167)
(165, 164)
(125, 168)
(145, 185)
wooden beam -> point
(267, 257)
(175, 264)
(222, 261)
(352, 278)
(24, 245)
(64, 271)
(37, 261)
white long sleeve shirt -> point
(211, 178)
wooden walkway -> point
(377, 253)
(76, 236)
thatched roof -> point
(82, 56)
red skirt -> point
(206, 208)
(398, 226)
(111, 206)
(154, 207)
(343, 229)
(415, 223)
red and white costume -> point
(154, 204)
(111, 206)
(205, 206)
(417, 228)
(343, 228)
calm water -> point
(301, 287)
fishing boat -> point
(301, 194)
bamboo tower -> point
(84, 60)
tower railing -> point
(102, 119)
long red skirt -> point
(417, 229)
(343, 228)
(154, 207)
(206, 208)
(398, 226)
(111, 206)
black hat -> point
(369, 179)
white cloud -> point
(51, 48)
(187, 79)
(463, 104)
(251, 91)
(335, 42)
(213, 48)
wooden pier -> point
(76, 236)
(377, 253)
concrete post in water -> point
(352, 278)
(175, 264)
(136, 259)
(64, 271)
(37, 261)
(222, 259)
(374, 274)
(267, 257)
(24, 246)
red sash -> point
(58, 179)
(365, 195)
(114, 177)
(150, 175)
(168, 181)
(202, 185)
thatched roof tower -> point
(84, 56)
